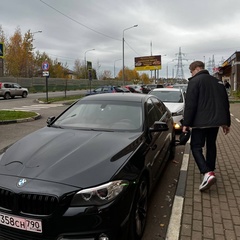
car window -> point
(98, 90)
(16, 85)
(153, 113)
(103, 115)
(168, 96)
(160, 106)
(7, 85)
(105, 89)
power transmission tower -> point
(180, 73)
(211, 65)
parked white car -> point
(174, 99)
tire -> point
(139, 211)
(7, 95)
(24, 94)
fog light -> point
(103, 237)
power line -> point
(105, 35)
(132, 48)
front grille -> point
(37, 204)
(28, 203)
(6, 199)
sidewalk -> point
(215, 213)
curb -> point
(38, 116)
(174, 226)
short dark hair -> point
(196, 64)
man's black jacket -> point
(207, 103)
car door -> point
(158, 141)
(17, 90)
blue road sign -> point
(45, 66)
(1, 50)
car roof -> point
(8, 82)
(166, 90)
(133, 97)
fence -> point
(58, 84)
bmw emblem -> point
(21, 182)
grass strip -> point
(14, 115)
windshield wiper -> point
(96, 130)
(55, 126)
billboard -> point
(148, 63)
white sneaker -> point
(208, 180)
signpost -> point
(1, 58)
(45, 73)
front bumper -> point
(108, 222)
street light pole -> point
(114, 67)
(167, 67)
(85, 61)
(40, 31)
(123, 77)
(32, 33)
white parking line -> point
(36, 107)
(174, 225)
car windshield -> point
(168, 96)
(104, 115)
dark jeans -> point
(200, 137)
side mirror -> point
(50, 120)
(159, 127)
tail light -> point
(0, 85)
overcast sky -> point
(71, 28)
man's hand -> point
(185, 129)
(226, 129)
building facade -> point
(230, 71)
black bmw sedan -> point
(88, 174)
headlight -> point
(99, 195)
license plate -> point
(26, 224)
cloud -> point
(69, 28)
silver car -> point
(10, 90)
(174, 99)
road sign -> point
(89, 65)
(45, 73)
(45, 66)
(1, 50)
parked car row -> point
(107, 89)
(89, 173)
(134, 88)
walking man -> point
(206, 109)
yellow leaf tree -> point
(14, 54)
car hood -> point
(174, 107)
(73, 157)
